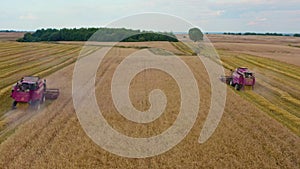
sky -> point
(209, 15)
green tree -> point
(27, 38)
(55, 36)
(195, 34)
(102, 34)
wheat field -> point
(259, 129)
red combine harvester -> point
(32, 90)
(240, 78)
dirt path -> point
(245, 138)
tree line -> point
(97, 34)
(262, 34)
(9, 31)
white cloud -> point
(28, 17)
(257, 21)
(220, 12)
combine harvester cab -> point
(240, 78)
(32, 90)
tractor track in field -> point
(51, 119)
(12, 121)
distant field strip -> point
(30, 52)
(277, 91)
(186, 50)
(15, 48)
(22, 59)
(279, 68)
(38, 63)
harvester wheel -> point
(36, 105)
(231, 83)
(14, 105)
(43, 99)
(237, 87)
